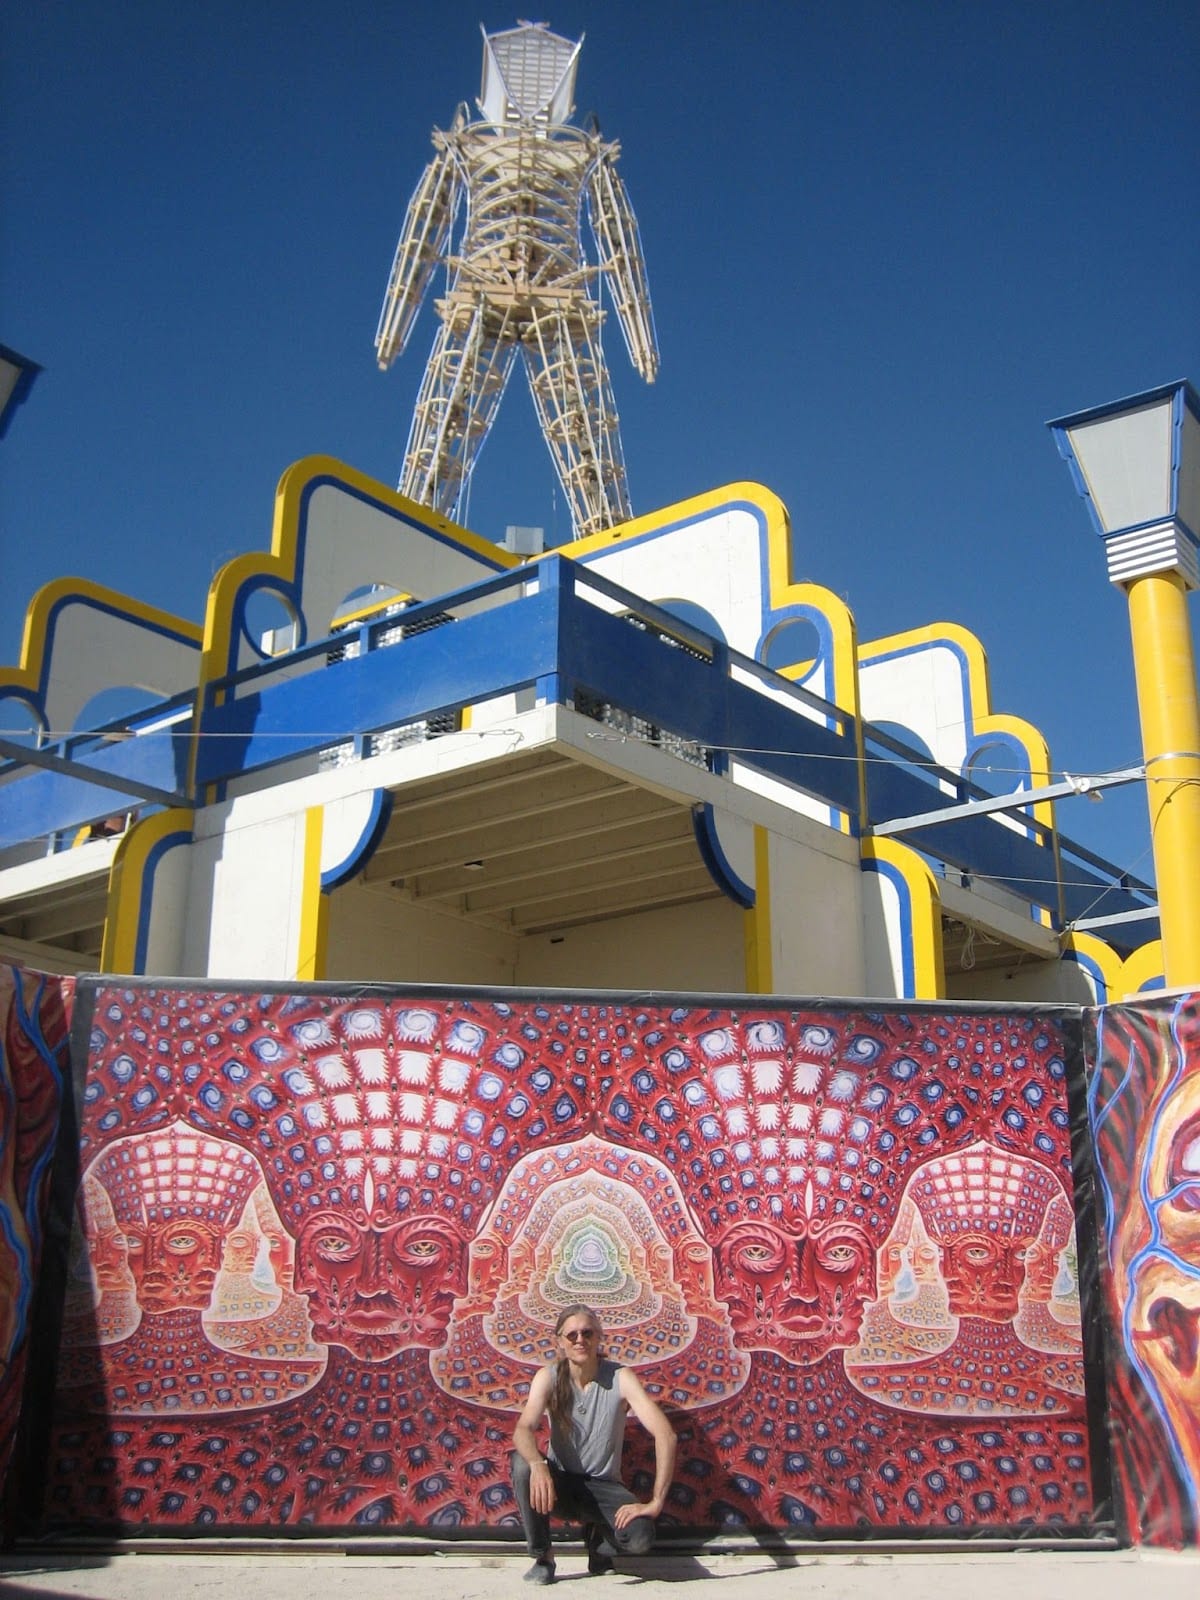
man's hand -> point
(541, 1488)
(627, 1514)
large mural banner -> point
(33, 1072)
(1144, 1108)
(323, 1239)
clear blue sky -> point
(885, 243)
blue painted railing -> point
(576, 639)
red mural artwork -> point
(1144, 1110)
(34, 1021)
(324, 1241)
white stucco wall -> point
(816, 919)
(692, 948)
(246, 888)
(380, 937)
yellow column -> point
(314, 906)
(1165, 668)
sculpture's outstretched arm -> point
(619, 244)
(427, 227)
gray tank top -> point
(592, 1442)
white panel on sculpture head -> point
(528, 74)
(1189, 473)
(1126, 464)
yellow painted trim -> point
(929, 966)
(1105, 957)
(280, 561)
(314, 905)
(983, 718)
(27, 675)
(1139, 969)
(1169, 711)
(756, 926)
(125, 878)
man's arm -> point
(652, 1417)
(541, 1484)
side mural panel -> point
(329, 1235)
(33, 1061)
(1144, 1106)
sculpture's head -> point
(528, 76)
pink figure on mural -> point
(175, 1194)
(383, 1116)
(592, 1216)
(984, 1208)
(101, 1302)
(1049, 1318)
(794, 1137)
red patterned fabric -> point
(34, 1021)
(762, 1205)
(1144, 1110)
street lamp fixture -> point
(1137, 464)
(16, 379)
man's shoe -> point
(541, 1572)
(599, 1551)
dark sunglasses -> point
(579, 1333)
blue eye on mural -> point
(541, 1081)
(509, 1055)
(517, 1106)
(144, 1097)
(110, 1119)
(488, 1086)
(263, 1097)
(93, 1092)
(268, 1050)
(643, 1082)
(212, 1097)
(241, 1118)
(675, 1060)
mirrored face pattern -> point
(378, 1289)
(760, 1205)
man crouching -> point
(587, 1398)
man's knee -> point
(639, 1536)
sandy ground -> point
(233, 1573)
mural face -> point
(380, 1289)
(174, 1263)
(983, 1276)
(1144, 1104)
(354, 1221)
(803, 1293)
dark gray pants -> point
(592, 1501)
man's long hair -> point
(561, 1391)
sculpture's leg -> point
(575, 406)
(464, 381)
